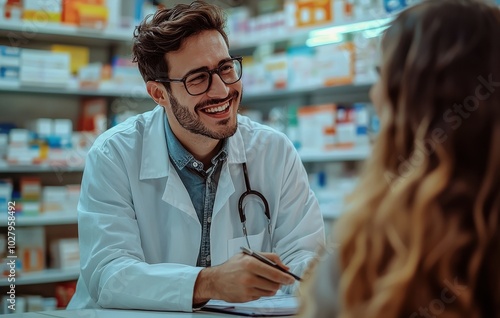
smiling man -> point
(170, 196)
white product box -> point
(43, 127)
(335, 63)
(53, 198)
(65, 253)
(19, 136)
(317, 127)
(45, 68)
(276, 67)
(63, 127)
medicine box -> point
(317, 127)
(65, 253)
(50, 10)
(30, 245)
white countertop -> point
(112, 313)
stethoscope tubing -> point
(247, 193)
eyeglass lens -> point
(199, 82)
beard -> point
(193, 124)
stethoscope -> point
(248, 192)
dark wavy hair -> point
(166, 31)
(434, 224)
(421, 234)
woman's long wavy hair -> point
(421, 235)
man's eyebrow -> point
(204, 68)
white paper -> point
(278, 305)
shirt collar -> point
(181, 157)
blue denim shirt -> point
(200, 184)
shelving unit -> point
(40, 30)
(49, 218)
(349, 154)
(43, 277)
(8, 168)
(77, 91)
(343, 27)
(64, 103)
(341, 91)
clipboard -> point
(275, 306)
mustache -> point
(232, 95)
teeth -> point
(217, 109)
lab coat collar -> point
(155, 162)
(236, 149)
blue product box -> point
(394, 6)
(9, 51)
(9, 72)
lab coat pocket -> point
(257, 242)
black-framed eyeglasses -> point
(199, 81)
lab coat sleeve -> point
(299, 228)
(112, 259)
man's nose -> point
(218, 89)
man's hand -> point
(242, 278)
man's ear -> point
(157, 92)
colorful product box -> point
(317, 127)
(48, 10)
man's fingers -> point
(275, 258)
(270, 273)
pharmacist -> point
(170, 196)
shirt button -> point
(195, 164)
(208, 258)
(209, 220)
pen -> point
(266, 260)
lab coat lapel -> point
(236, 156)
(155, 164)
(177, 195)
(224, 190)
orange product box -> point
(313, 12)
(85, 13)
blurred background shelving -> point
(308, 68)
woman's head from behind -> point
(440, 78)
(433, 224)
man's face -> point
(212, 114)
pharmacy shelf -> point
(21, 32)
(250, 41)
(140, 92)
(8, 168)
(350, 154)
(340, 91)
(42, 277)
(47, 218)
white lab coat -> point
(139, 232)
